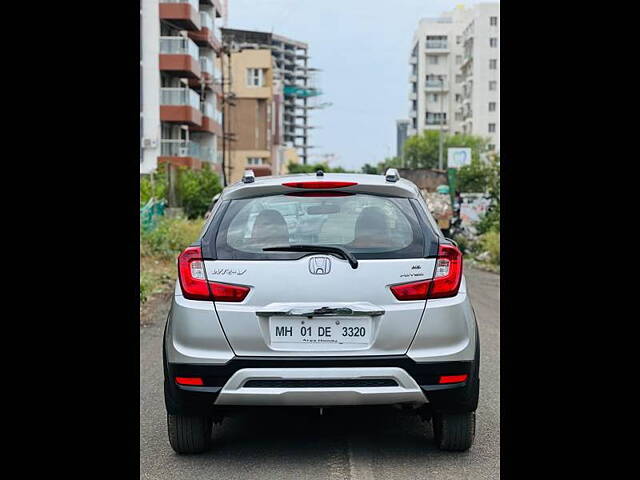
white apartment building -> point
(180, 88)
(454, 73)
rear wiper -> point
(341, 252)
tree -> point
(370, 169)
(480, 176)
(421, 151)
(195, 188)
(389, 162)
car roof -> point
(366, 183)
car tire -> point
(454, 431)
(189, 434)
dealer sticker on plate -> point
(320, 330)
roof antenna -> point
(320, 173)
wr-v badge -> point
(319, 265)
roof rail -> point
(248, 176)
(392, 175)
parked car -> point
(374, 312)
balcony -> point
(211, 120)
(180, 153)
(436, 86)
(413, 96)
(207, 68)
(181, 13)
(213, 3)
(179, 55)
(413, 77)
(413, 60)
(180, 105)
(205, 37)
(436, 46)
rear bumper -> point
(320, 387)
(228, 384)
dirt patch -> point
(155, 308)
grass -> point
(159, 249)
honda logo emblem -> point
(319, 265)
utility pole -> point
(440, 163)
(223, 51)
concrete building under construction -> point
(290, 61)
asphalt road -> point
(347, 443)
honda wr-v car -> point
(320, 290)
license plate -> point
(320, 330)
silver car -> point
(374, 312)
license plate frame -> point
(320, 331)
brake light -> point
(411, 291)
(321, 193)
(225, 292)
(189, 381)
(448, 274)
(191, 274)
(445, 282)
(452, 378)
(319, 185)
(195, 286)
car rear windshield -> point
(369, 226)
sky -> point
(362, 48)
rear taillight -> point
(191, 274)
(452, 378)
(411, 291)
(319, 185)
(189, 381)
(445, 282)
(225, 292)
(448, 274)
(195, 286)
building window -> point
(255, 161)
(491, 147)
(433, 59)
(492, 128)
(493, 85)
(493, 42)
(434, 97)
(492, 106)
(458, 59)
(493, 21)
(255, 77)
(458, 78)
(458, 39)
(458, 98)
(493, 64)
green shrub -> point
(466, 244)
(490, 242)
(159, 189)
(146, 286)
(197, 188)
(194, 189)
(170, 237)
